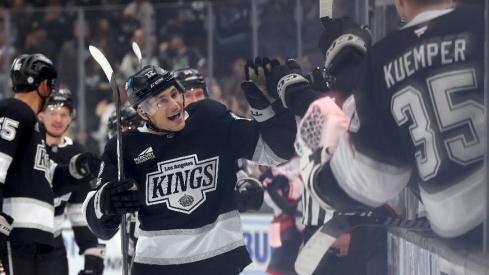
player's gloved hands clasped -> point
(250, 194)
(283, 76)
(320, 81)
(119, 197)
(263, 105)
(85, 166)
(5, 229)
(94, 261)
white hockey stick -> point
(104, 63)
(319, 245)
(137, 52)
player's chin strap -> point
(43, 98)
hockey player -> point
(56, 119)
(180, 171)
(251, 195)
(27, 176)
(419, 109)
(193, 83)
(130, 120)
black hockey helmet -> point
(62, 98)
(149, 81)
(190, 79)
(28, 71)
(129, 117)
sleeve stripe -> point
(364, 179)
(5, 161)
(264, 155)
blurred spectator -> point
(233, 95)
(130, 63)
(37, 41)
(140, 9)
(175, 54)
(215, 90)
(5, 51)
(57, 26)
(278, 33)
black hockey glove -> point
(118, 197)
(94, 261)
(5, 229)
(250, 194)
(283, 76)
(263, 106)
(85, 166)
(343, 42)
(320, 81)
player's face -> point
(168, 110)
(193, 95)
(56, 119)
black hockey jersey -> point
(71, 203)
(26, 174)
(190, 217)
(420, 109)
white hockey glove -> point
(263, 105)
(250, 194)
(94, 261)
(85, 166)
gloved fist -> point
(283, 76)
(263, 105)
(344, 43)
(5, 229)
(250, 194)
(94, 265)
(118, 197)
(320, 81)
(85, 165)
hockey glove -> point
(94, 261)
(320, 81)
(117, 198)
(283, 76)
(343, 42)
(263, 106)
(250, 194)
(5, 229)
(85, 166)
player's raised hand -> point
(255, 89)
(283, 76)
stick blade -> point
(312, 253)
(325, 8)
(137, 51)
(102, 61)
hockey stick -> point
(100, 58)
(319, 245)
(137, 52)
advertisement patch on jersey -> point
(182, 183)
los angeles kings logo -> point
(182, 183)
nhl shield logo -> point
(182, 183)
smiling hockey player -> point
(183, 164)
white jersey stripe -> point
(5, 161)
(25, 216)
(224, 235)
(75, 214)
(364, 179)
(263, 155)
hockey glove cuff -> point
(250, 194)
(117, 198)
(85, 166)
(94, 261)
(5, 229)
(346, 49)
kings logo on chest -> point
(182, 183)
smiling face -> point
(165, 110)
(56, 119)
(193, 95)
